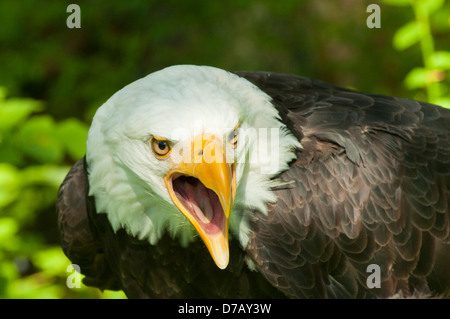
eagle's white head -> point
(187, 150)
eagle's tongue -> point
(200, 202)
(203, 204)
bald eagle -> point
(198, 182)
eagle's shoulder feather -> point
(79, 239)
(371, 186)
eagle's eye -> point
(160, 147)
(233, 137)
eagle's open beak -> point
(203, 188)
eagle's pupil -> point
(162, 145)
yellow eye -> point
(233, 137)
(160, 147)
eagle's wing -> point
(79, 239)
(370, 186)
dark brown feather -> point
(373, 179)
(79, 240)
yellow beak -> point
(203, 189)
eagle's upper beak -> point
(203, 187)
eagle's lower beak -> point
(203, 188)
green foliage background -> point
(53, 78)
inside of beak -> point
(204, 192)
(201, 202)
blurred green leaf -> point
(443, 101)
(51, 260)
(9, 152)
(440, 60)
(8, 228)
(45, 174)
(35, 286)
(72, 133)
(8, 273)
(9, 184)
(110, 294)
(417, 78)
(39, 140)
(428, 6)
(13, 111)
(407, 35)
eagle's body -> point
(362, 179)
